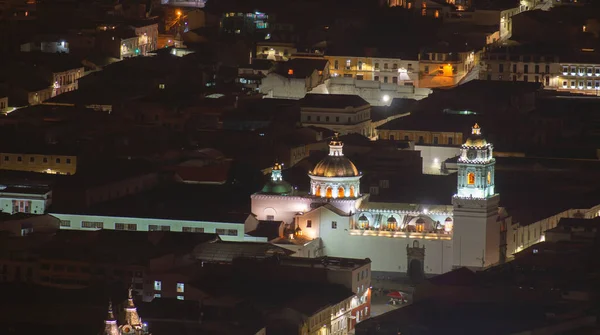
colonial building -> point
(339, 112)
(424, 238)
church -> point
(334, 218)
(132, 323)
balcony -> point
(403, 234)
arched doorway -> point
(341, 192)
(318, 191)
(415, 271)
(352, 192)
(329, 192)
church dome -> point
(476, 140)
(391, 219)
(277, 185)
(335, 164)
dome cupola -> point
(476, 149)
(335, 176)
(335, 164)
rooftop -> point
(332, 101)
(226, 252)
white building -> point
(24, 199)
(398, 237)
(341, 113)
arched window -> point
(329, 193)
(489, 177)
(471, 178)
(360, 65)
(415, 244)
(352, 195)
(318, 191)
(341, 192)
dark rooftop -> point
(332, 101)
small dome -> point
(277, 187)
(448, 219)
(476, 140)
(420, 221)
(391, 219)
(335, 166)
(363, 218)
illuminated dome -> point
(277, 185)
(335, 164)
(335, 176)
(476, 140)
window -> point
(391, 137)
(308, 118)
(395, 66)
(68, 160)
(536, 68)
(45, 160)
(470, 178)
(573, 70)
(537, 79)
(6, 159)
(500, 68)
(385, 66)
(308, 223)
(180, 287)
(336, 64)
(385, 79)
(525, 78)
(90, 224)
(154, 227)
(514, 68)
(327, 119)
(337, 119)
(421, 140)
(157, 295)
(270, 217)
(180, 297)
(19, 159)
(192, 229)
(572, 83)
(333, 225)
(377, 66)
(589, 84)
(65, 223)
(395, 80)
(126, 226)
(360, 64)
(526, 68)
(232, 232)
(450, 139)
(157, 285)
(376, 78)
(565, 84)
(426, 69)
(565, 69)
(348, 64)
(359, 77)
(547, 69)
(31, 159)
(435, 140)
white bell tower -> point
(476, 235)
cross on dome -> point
(476, 130)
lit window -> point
(290, 72)
(180, 297)
(157, 295)
(161, 86)
(157, 285)
(470, 178)
(180, 287)
(348, 63)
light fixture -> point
(386, 98)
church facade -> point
(417, 239)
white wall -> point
(387, 254)
(279, 87)
(433, 156)
(283, 208)
(109, 222)
(38, 202)
(373, 91)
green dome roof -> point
(277, 187)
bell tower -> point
(476, 235)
